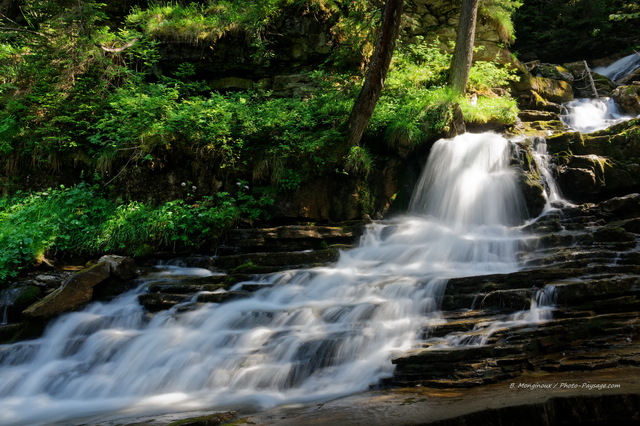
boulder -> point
(120, 266)
(583, 175)
(537, 115)
(532, 190)
(622, 207)
(74, 292)
(530, 100)
(628, 97)
(552, 71)
(549, 89)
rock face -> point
(585, 258)
(598, 165)
(74, 292)
(247, 253)
(628, 97)
(78, 289)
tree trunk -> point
(463, 52)
(376, 74)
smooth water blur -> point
(620, 68)
(589, 115)
(308, 335)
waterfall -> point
(620, 68)
(541, 157)
(589, 115)
(308, 335)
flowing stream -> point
(308, 335)
(589, 115)
(620, 68)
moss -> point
(246, 268)
(210, 420)
(565, 141)
(27, 296)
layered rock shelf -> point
(591, 263)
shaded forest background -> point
(136, 126)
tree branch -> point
(23, 30)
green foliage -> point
(485, 75)
(32, 224)
(358, 161)
(81, 221)
(561, 31)
(501, 12)
(503, 110)
(417, 105)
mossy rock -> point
(27, 295)
(554, 72)
(533, 192)
(628, 97)
(565, 142)
(613, 234)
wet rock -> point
(583, 175)
(531, 100)
(578, 292)
(155, 302)
(557, 91)
(574, 410)
(291, 238)
(613, 234)
(532, 191)
(222, 296)
(537, 115)
(72, 294)
(627, 206)
(120, 267)
(510, 300)
(628, 97)
(582, 85)
(552, 71)
(254, 262)
(209, 420)
(565, 142)
(184, 288)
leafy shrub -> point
(81, 221)
(358, 161)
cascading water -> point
(620, 68)
(589, 115)
(308, 335)
(541, 157)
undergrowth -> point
(82, 221)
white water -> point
(7, 298)
(589, 115)
(620, 68)
(542, 306)
(316, 334)
(552, 192)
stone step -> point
(289, 238)
(266, 262)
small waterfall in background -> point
(589, 115)
(620, 68)
(309, 335)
